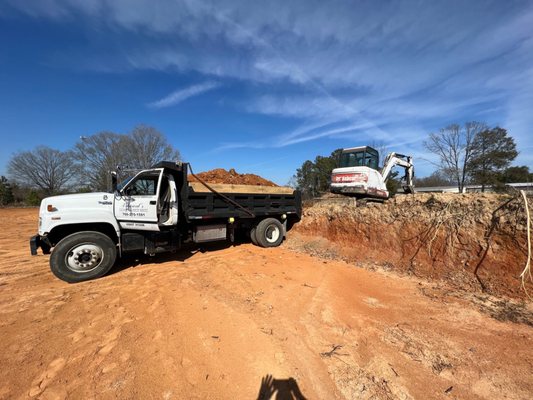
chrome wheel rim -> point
(272, 233)
(84, 257)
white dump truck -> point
(156, 211)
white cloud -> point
(180, 95)
(333, 65)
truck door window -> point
(143, 185)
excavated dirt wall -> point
(473, 241)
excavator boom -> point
(395, 159)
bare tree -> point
(96, 156)
(454, 145)
(382, 148)
(146, 146)
(103, 152)
(44, 168)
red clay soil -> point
(243, 322)
(473, 241)
(220, 175)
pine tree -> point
(493, 151)
(6, 192)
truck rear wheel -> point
(252, 235)
(83, 256)
(269, 233)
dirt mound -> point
(220, 175)
(474, 241)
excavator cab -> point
(364, 156)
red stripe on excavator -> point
(350, 177)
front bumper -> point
(35, 243)
(39, 241)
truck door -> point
(137, 205)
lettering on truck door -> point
(137, 205)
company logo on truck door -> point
(131, 209)
(351, 177)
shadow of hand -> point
(284, 389)
(267, 388)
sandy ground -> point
(241, 322)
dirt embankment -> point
(220, 175)
(473, 241)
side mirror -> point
(114, 181)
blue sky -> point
(263, 86)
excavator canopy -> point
(363, 156)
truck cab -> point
(149, 201)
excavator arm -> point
(395, 159)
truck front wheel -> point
(83, 256)
(269, 233)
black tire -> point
(252, 235)
(83, 256)
(269, 233)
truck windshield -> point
(367, 157)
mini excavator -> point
(359, 174)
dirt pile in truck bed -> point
(474, 241)
(220, 175)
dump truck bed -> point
(242, 201)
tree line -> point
(469, 154)
(473, 153)
(86, 167)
